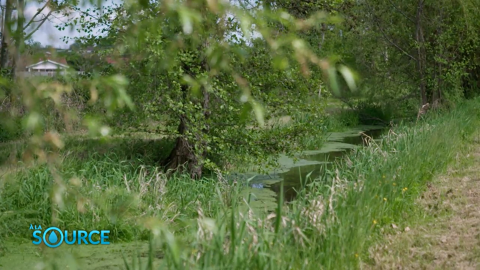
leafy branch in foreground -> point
(188, 60)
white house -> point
(46, 67)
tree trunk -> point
(438, 93)
(186, 155)
(6, 34)
(421, 58)
(19, 38)
(183, 155)
(189, 153)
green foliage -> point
(338, 216)
(11, 128)
(403, 50)
(373, 114)
(348, 118)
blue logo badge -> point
(53, 237)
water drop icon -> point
(53, 238)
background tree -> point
(404, 49)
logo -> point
(53, 237)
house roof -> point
(116, 60)
(29, 60)
(48, 61)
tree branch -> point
(39, 11)
(405, 97)
(393, 43)
(404, 15)
(375, 21)
(39, 25)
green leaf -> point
(349, 77)
(245, 24)
(259, 112)
(194, 85)
(246, 109)
(186, 19)
(34, 120)
(280, 62)
(333, 82)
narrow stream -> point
(265, 188)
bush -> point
(10, 128)
(372, 114)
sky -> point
(47, 34)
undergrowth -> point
(205, 225)
(103, 192)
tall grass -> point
(102, 191)
(335, 220)
(207, 224)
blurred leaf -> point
(194, 85)
(259, 112)
(34, 120)
(54, 138)
(172, 245)
(349, 77)
(213, 5)
(246, 109)
(245, 24)
(185, 15)
(280, 62)
(93, 125)
(332, 80)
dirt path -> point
(448, 236)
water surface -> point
(265, 188)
